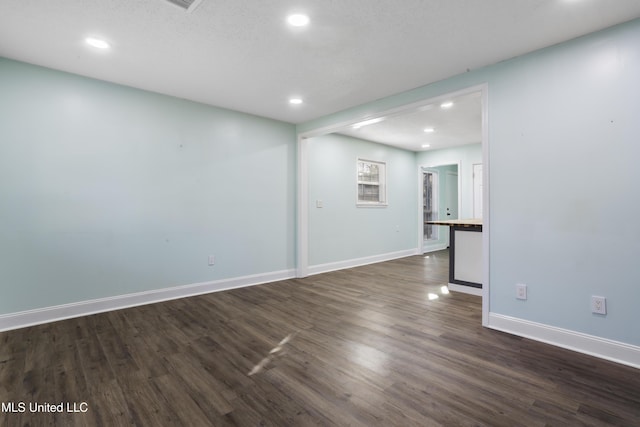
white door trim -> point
(421, 171)
(474, 181)
(302, 214)
(486, 223)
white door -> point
(451, 196)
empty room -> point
(299, 213)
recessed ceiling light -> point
(429, 130)
(295, 101)
(447, 104)
(426, 145)
(97, 43)
(298, 20)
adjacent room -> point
(292, 213)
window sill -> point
(371, 205)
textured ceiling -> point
(241, 54)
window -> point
(372, 189)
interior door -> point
(451, 196)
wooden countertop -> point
(474, 222)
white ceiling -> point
(459, 124)
(241, 54)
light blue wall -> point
(564, 198)
(340, 231)
(564, 131)
(107, 190)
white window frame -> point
(381, 183)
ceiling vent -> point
(188, 5)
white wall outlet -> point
(598, 305)
(212, 259)
(319, 203)
(521, 291)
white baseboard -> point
(357, 262)
(84, 308)
(465, 289)
(434, 248)
(603, 348)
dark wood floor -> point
(359, 347)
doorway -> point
(440, 201)
(354, 120)
(430, 204)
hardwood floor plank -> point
(217, 362)
(203, 387)
(320, 400)
(118, 354)
(106, 406)
(436, 409)
(94, 363)
(178, 399)
(272, 407)
(148, 357)
(148, 407)
(71, 387)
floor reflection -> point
(444, 290)
(275, 351)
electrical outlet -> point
(598, 305)
(521, 291)
(212, 260)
